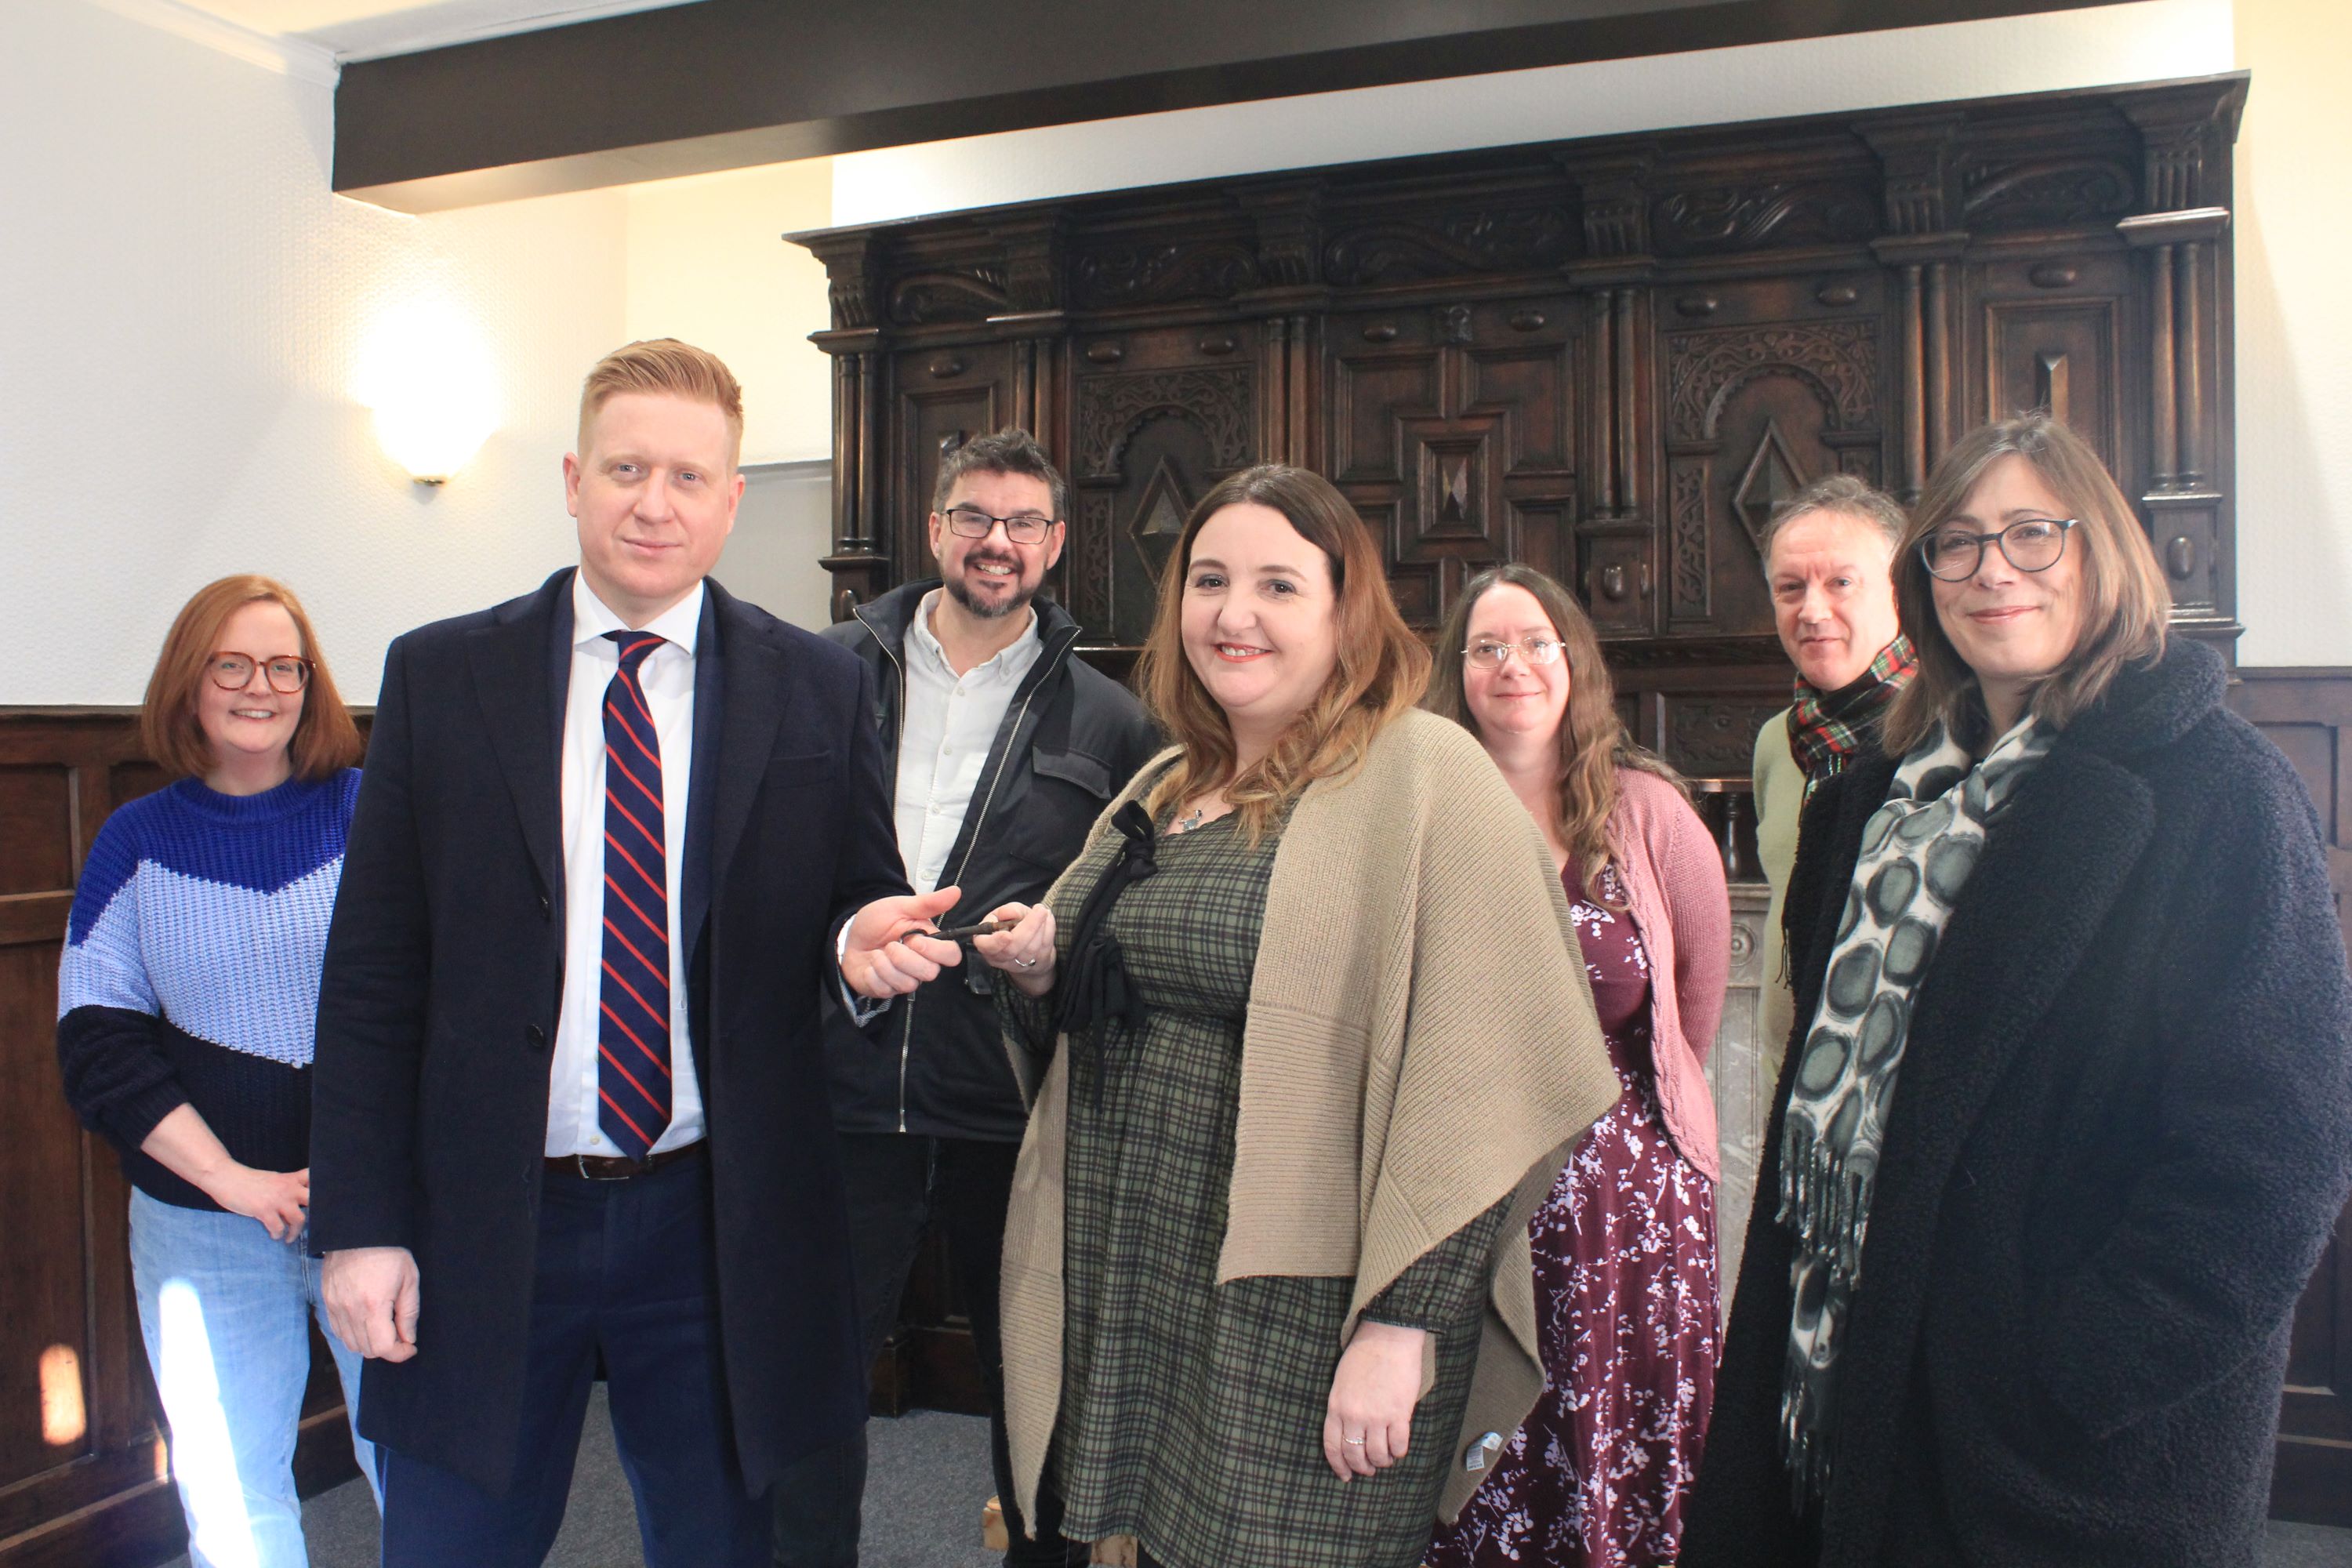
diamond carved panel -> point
(1772, 477)
(1158, 519)
(1450, 474)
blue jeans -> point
(226, 1313)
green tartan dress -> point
(1192, 1412)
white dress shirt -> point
(947, 726)
(668, 676)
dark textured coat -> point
(444, 972)
(2119, 1140)
(934, 1063)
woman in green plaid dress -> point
(1258, 1245)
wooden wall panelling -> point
(1768, 386)
(83, 1475)
(1451, 428)
(1158, 417)
(940, 397)
(2307, 714)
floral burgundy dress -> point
(1626, 1304)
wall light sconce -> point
(425, 373)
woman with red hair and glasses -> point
(184, 1015)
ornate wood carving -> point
(1507, 239)
(1839, 359)
(1744, 218)
(1609, 356)
(1162, 274)
(1112, 408)
(2047, 192)
(969, 295)
(1689, 553)
(1717, 737)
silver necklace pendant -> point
(1186, 824)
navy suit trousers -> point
(624, 1279)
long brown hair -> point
(325, 739)
(1592, 737)
(1380, 671)
(2125, 601)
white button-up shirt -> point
(945, 730)
(668, 676)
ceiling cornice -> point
(293, 58)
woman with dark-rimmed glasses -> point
(2071, 1112)
(185, 1005)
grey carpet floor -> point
(928, 1480)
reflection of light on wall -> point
(428, 376)
(200, 1452)
(63, 1419)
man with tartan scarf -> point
(1829, 554)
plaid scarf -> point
(1827, 728)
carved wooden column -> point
(2182, 504)
(1033, 316)
(859, 562)
(1289, 242)
(1616, 541)
(2184, 136)
(1921, 244)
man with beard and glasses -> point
(1005, 748)
(1828, 555)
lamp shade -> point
(427, 374)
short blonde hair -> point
(325, 739)
(666, 365)
(2125, 605)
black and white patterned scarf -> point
(1917, 851)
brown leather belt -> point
(613, 1168)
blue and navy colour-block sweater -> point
(190, 970)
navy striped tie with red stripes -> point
(633, 1032)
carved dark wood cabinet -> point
(1608, 358)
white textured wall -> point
(2104, 44)
(784, 524)
(186, 305)
(2295, 335)
(708, 263)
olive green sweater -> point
(1420, 1045)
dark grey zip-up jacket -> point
(934, 1063)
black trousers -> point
(898, 1184)
(626, 1276)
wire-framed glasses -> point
(2031, 545)
(287, 673)
(970, 523)
(1487, 653)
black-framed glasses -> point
(1488, 653)
(970, 523)
(287, 673)
(2031, 545)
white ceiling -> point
(364, 29)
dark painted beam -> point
(730, 83)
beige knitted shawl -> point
(1421, 1044)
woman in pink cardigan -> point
(1624, 1245)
